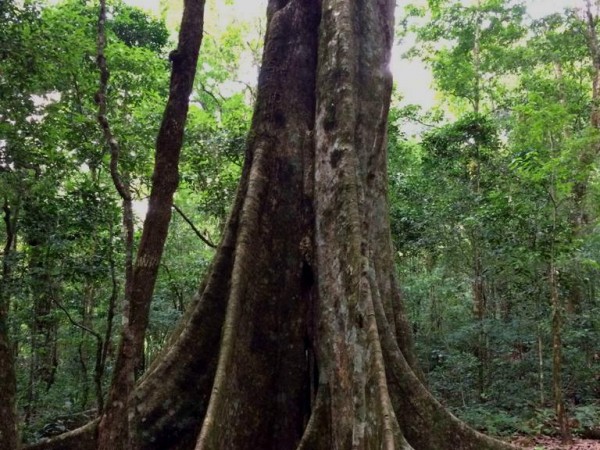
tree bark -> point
(298, 338)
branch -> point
(100, 99)
(99, 366)
(420, 122)
(218, 102)
(77, 324)
(249, 87)
(122, 187)
(189, 222)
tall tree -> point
(114, 429)
(298, 337)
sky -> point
(413, 79)
(537, 8)
(243, 8)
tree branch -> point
(121, 186)
(75, 323)
(193, 227)
(100, 99)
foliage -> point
(54, 176)
(483, 193)
(486, 199)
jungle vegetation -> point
(193, 257)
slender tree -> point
(114, 429)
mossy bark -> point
(298, 339)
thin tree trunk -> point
(594, 51)
(557, 306)
(9, 433)
(114, 429)
(480, 308)
(557, 390)
(541, 368)
(85, 383)
(86, 312)
(478, 285)
(477, 59)
(557, 320)
(30, 405)
(120, 182)
(44, 289)
(112, 304)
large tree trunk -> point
(298, 338)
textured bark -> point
(352, 236)
(298, 338)
(114, 425)
(262, 385)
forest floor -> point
(553, 443)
